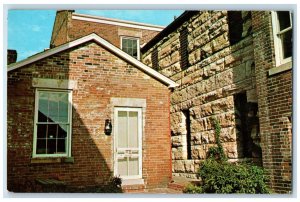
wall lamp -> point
(107, 127)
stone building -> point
(234, 67)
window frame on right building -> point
(278, 38)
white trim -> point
(117, 22)
(140, 137)
(279, 69)
(106, 44)
(277, 41)
(132, 182)
(137, 44)
(69, 135)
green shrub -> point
(193, 189)
(225, 177)
(220, 176)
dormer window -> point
(131, 46)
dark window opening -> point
(183, 39)
(247, 127)
(186, 114)
(154, 59)
(235, 23)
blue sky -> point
(29, 31)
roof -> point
(169, 29)
(106, 44)
(112, 21)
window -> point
(235, 23)
(131, 46)
(183, 40)
(282, 30)
(52, 127)
(187, 125)
(154, 59)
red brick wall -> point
(60, 28)
(110, 33)
(275, 106)
(67, 29)
(100, 75)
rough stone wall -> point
(100, 75)
(216, 72)
(275, 106)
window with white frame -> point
(52, 127)
(282, 30)
(131, 46)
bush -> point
(225, 177)
(193, 189)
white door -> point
(128, 142)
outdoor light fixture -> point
(107, 127)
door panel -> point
(128, 152)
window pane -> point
(52, 131)
(51, 146)
(41, 146)
(41, 130)
(122, 129)
(53, 110)
(122, 167)
(133, 166)
(43, 107)
(284, 19)
(124, 43)
(63, 107)
(134, 44)
(287, 45)
(133, 129)
(61, 146)
(62, 131)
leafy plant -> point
(225, 177)
(217, 152)
(220, 176)
(193, 189)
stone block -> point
(189, 166)
(199, 152)
(251, 95)
(228, 135)
(178, 166)
(179, 153)
(224, 78)
(230, 149)
(239, 72)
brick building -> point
(61, 103)
(126, 35)
(234, 66)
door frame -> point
(140, 137)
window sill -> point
(132, 182)
(280, 68)
(48, 160)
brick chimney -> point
(11, 56)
